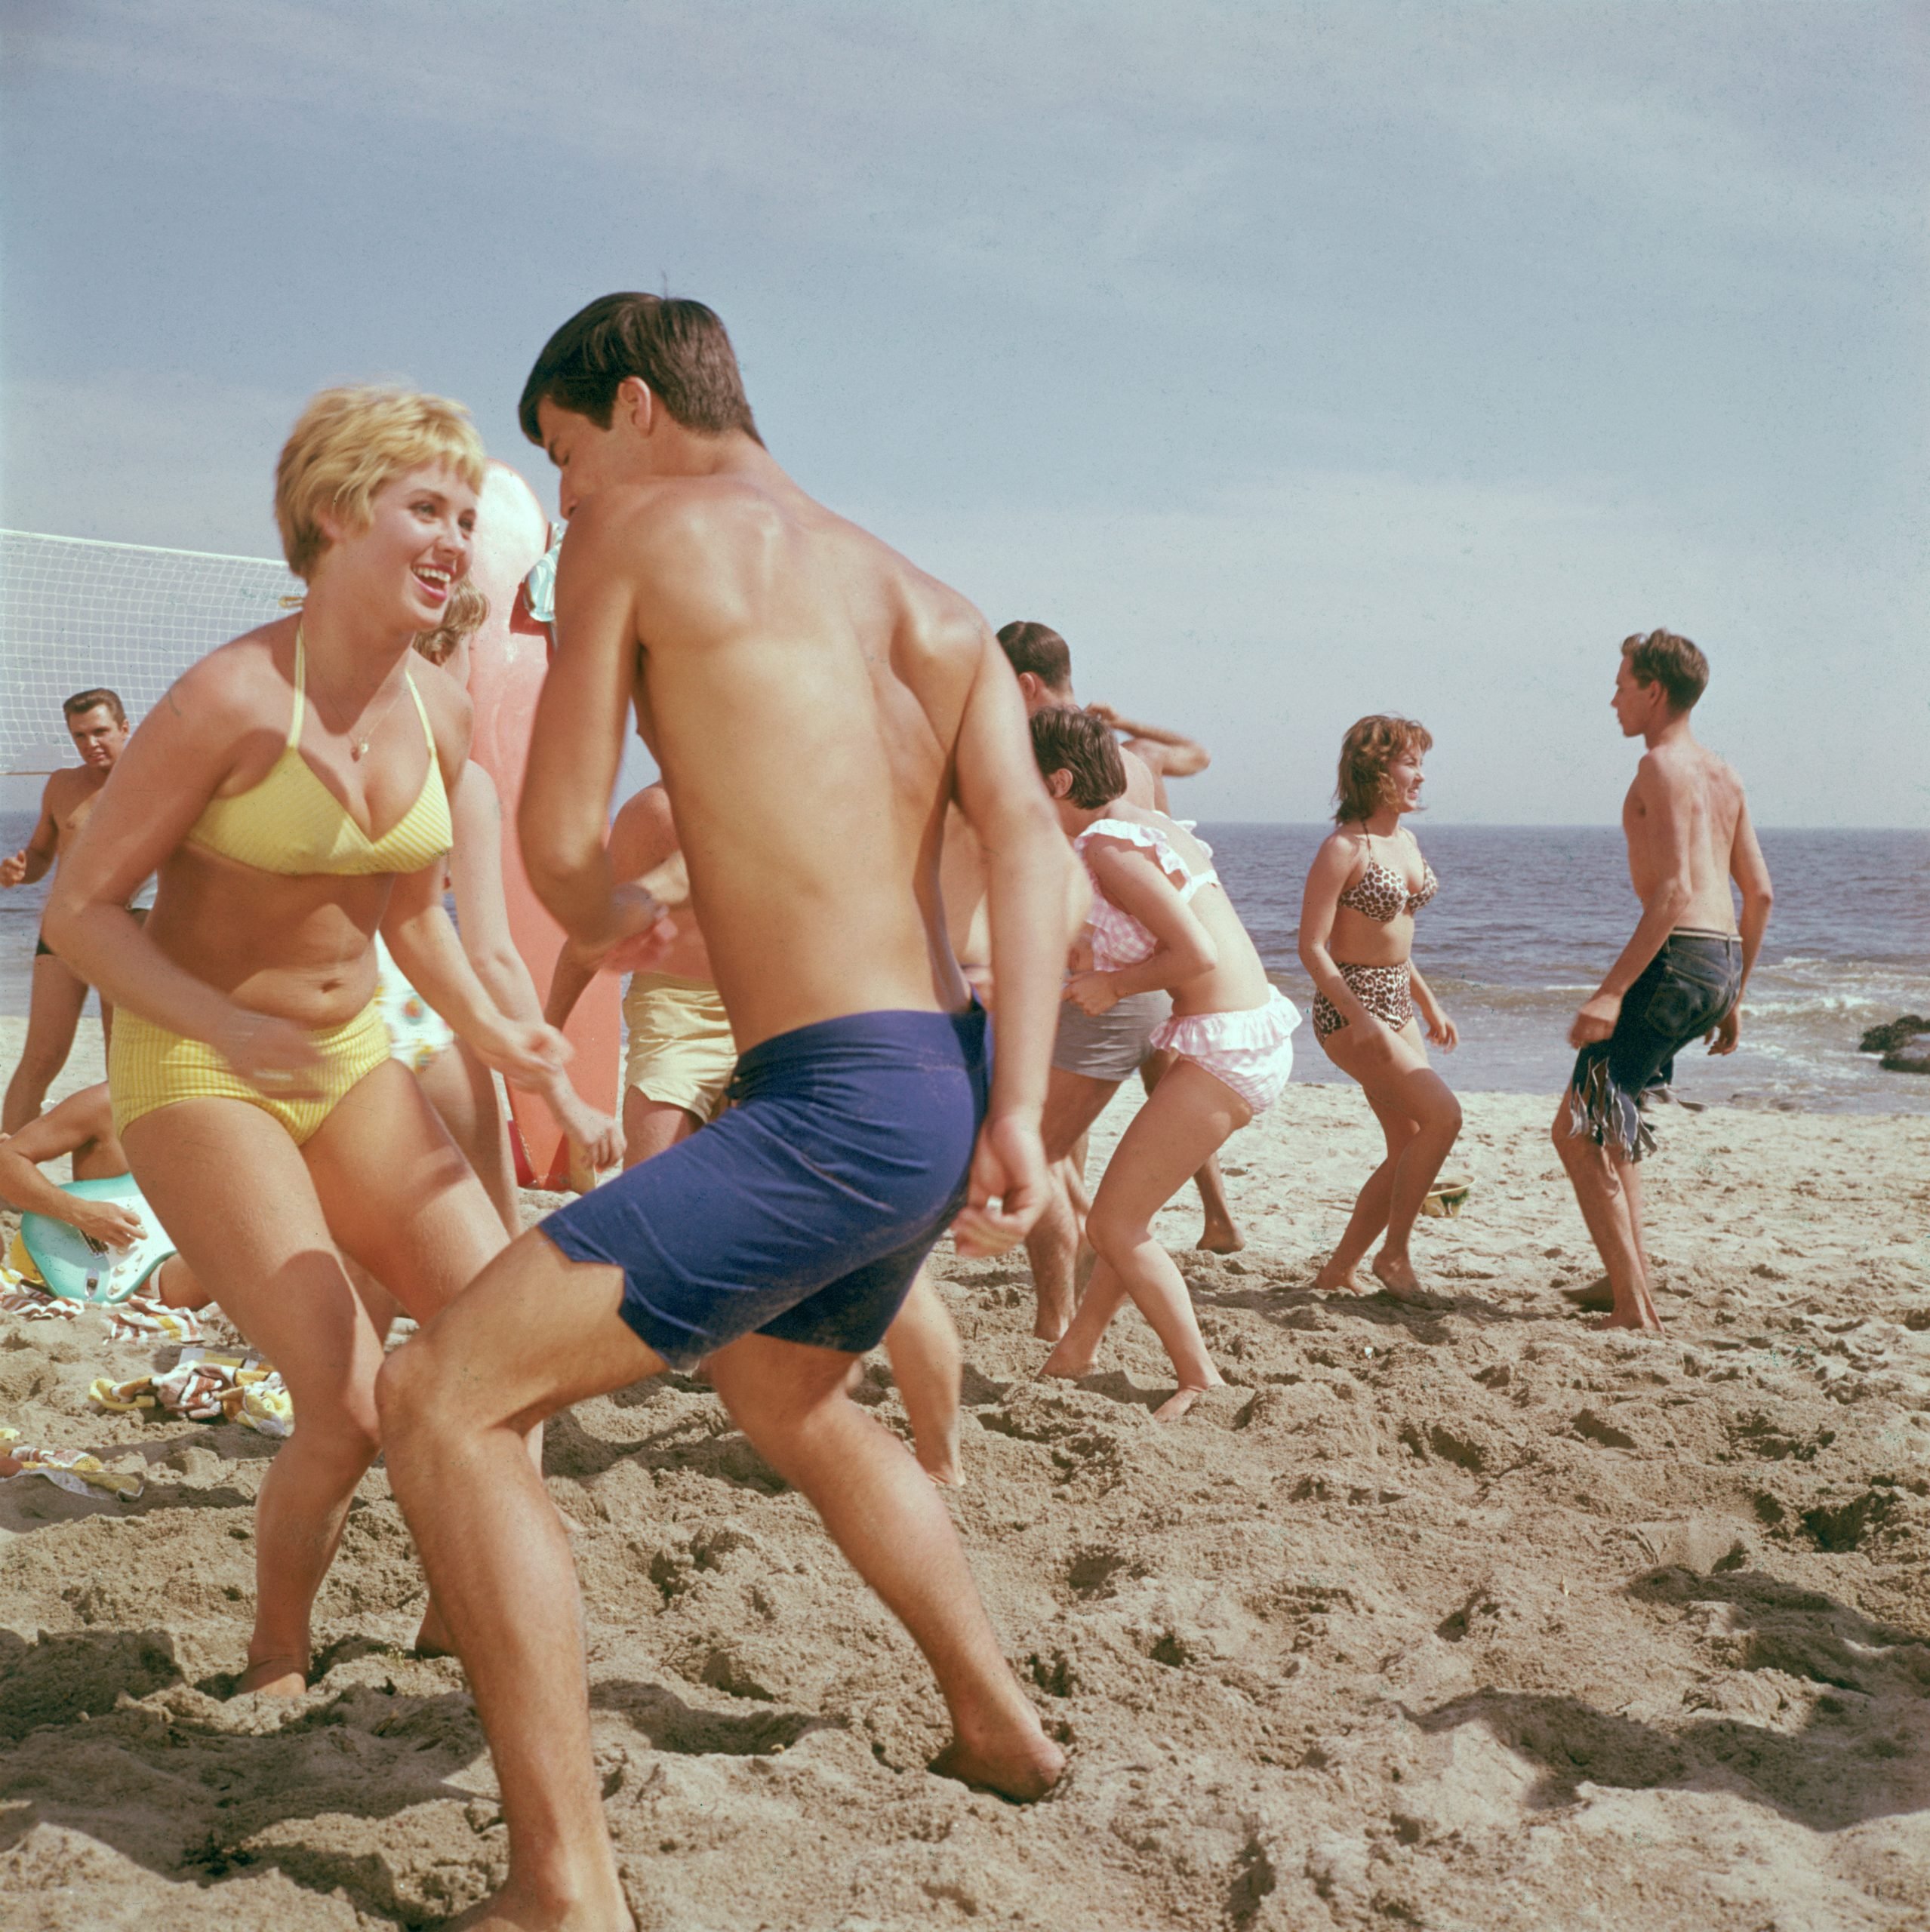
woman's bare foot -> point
(1023, 1767)
(512, 1910)
(285, 1676)
(1221, 1237)
(433, 1639)
(1395, 1272)
(1176, 1405)
(1333, 1279)
(1068, 1361)
(940, 1460)
(1644, 1320)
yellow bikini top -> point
(292, 823)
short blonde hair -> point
(348, 444)
(468, 609)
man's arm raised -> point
(1026, 862)
(576, 743)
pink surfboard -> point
(509, 657)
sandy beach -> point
(1461, 1618)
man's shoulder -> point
(67, 787)
(669, 513)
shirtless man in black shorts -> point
(1681, 976)
(815, 703)
(98, 724)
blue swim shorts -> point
(1680, 995)
(805, 1209)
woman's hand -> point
(1441, 1029)
(107, 1222)
(596, 1137)
(1092, 993)
(527, 1054)
(274, 1056)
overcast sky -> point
(1295, 361)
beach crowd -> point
(884, 838)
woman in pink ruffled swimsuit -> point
(1160, 918)
(1356, 930)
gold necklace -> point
(359, 746)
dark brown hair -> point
(677, 347)
(88, 700)
(1041, 650)
(1369, 747)
(1660, 657)
(1080, 743)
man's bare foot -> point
(1051, 1322)
(274, 1677)
(1023, 1768)
(1176, 1405)
(1221, 1237)
(512, 1910)
(1067, 1362)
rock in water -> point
(1890, 1038)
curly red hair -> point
(1366, 752)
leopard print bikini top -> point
(1382, 894)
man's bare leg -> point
(927, 1365)
(1597, 1177)
(53, 1015)
(888, 1521)
(1221, 1234)
(533, 1333)
(651, 1127)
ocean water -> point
(1526, 921)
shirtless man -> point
(98, 724)
(814, 702)
(1681, 976)
(1091, 1056)
(678, 1062)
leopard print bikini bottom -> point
(1385, 990)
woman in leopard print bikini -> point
(1361, 896)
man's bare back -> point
(811, 826)
(1705, 800)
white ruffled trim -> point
(1255, 1030)
(1151, 840)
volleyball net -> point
(74, 614)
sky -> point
(1295, 361)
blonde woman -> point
(292, 791)
(1356, 934)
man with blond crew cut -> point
(815, 703)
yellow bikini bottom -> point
(149, 1068)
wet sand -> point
(1456, 1619)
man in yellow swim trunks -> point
(680, 1054)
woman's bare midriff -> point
(300, 948)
